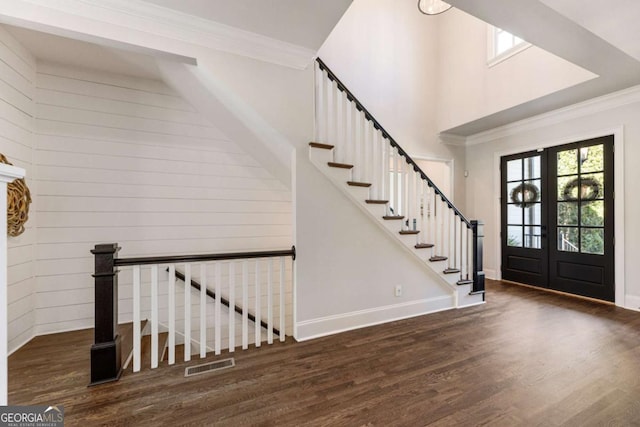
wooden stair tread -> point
(438, 258)
(424, 246)
(359, 184)
(340, 165)
(376, 202)
(404, 232)
(392, 217)
(451, 271)
(320, 145)
(464, 282)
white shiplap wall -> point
(17, 87)
(126, 160)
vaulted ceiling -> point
(603, 38)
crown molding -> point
(160, 21)
(592, 106)
(451, 139)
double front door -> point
(557, 218)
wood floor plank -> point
(525, 357)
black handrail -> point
(351, 97)
(120, 262)
(225, 301)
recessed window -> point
(502, 45)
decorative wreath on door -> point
(524, 195)
(18, 201)
(588, 187)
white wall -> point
(468, 89)
(17, 88)
(126, 160)
(587, 120)
(386, 53)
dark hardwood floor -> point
(525, 357)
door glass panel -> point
(592, 213)
(533, 214)
(514, 215)
(514, 170)
(532, 167)
(568, 162)
(568, 187)
(592, 158)
(592, 241)
(567, 213)
(592, 186)
(532, 237)
(568, 239)
(514, 236)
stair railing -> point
(248, 282)
(395, 178)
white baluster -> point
(203, 310)
(396, 182)
(359, 152)
(331, 112)
(258, 327)
(282, 301)
(154, 316)
(245, 304)
(375, 172)
(366, 143)
(232, 306)
(386, 176)
(136, 319)
(187, 312)
(339, 149)
(348, 140)
(422, 210)
(218, 309)
(270, 301)
(319, 113)
(172, 314)
(405, 191)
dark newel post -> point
(105, 352)
(478, 274)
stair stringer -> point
(320, 158)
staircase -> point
(364, 162)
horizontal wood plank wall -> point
(17, 87)
(126, 160)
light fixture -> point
(433, 7)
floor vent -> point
(209, 367)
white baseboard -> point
(320, 327)
(19, 346)
(490, 273)
(632, 302)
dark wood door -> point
(524, 219)
(581, 218)
(557, 218)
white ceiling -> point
(304, 23)
(76, 53)
(616, 21)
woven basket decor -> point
(18, 200)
